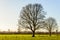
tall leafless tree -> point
(31, 16)
(50, 24)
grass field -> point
(28, 37)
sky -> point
(10, 10)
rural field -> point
(28, 37)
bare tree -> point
(8, 30)
(31, 16)
(50, 24)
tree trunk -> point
(33, 34)
(50, 33)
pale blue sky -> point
(10, 10)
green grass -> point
(28, 37)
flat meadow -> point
(28, 37)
